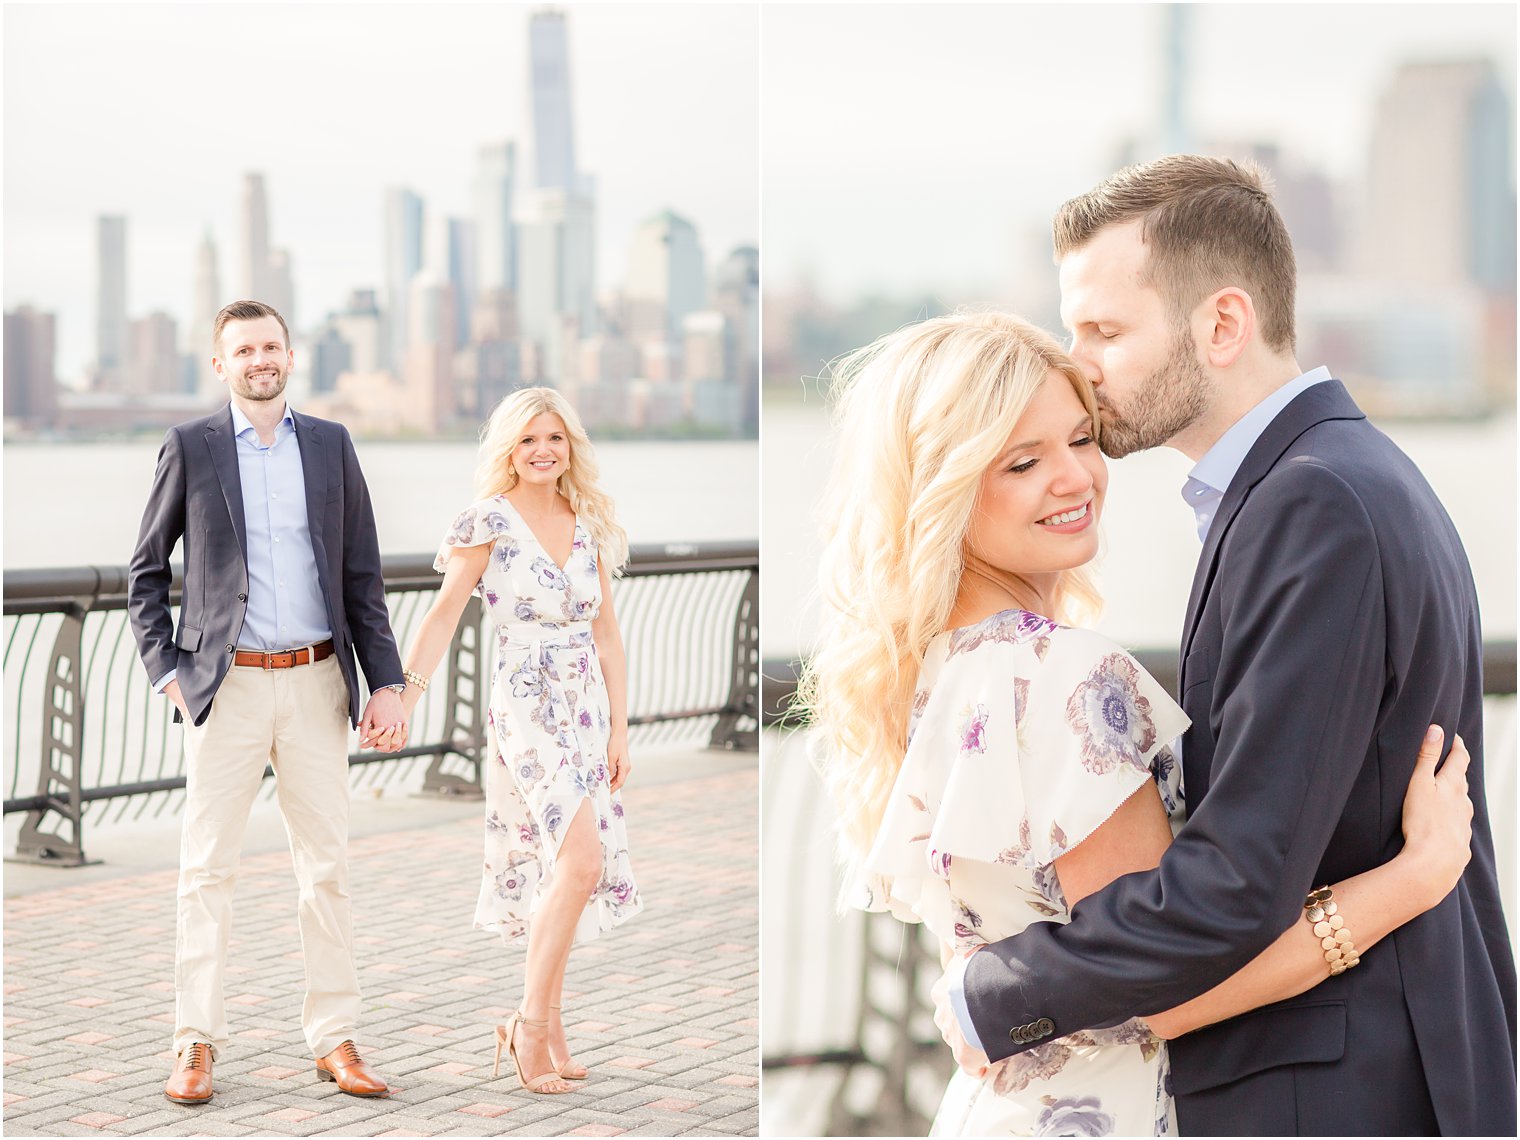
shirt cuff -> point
(159, 685)
(955, 974)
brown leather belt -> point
(306, 655)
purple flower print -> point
(552, 816)
(601, 823)
(524, 611)
(510, 883)
(623, 892)
(973, 731)
(548, 574)
(617, 809)
(1112, 718)
(494, 824)
(1012, 627)
(939, 862)
(463, 528)
(527, 681)
(529, 770)
(527, 834)
(1073, 1116)
(585, 719)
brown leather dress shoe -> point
(353, 1075)
(191, 1081)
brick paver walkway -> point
(663, 1009)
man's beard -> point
(243, 387)
(1167, 402)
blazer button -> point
(242, 597)
(231, 648)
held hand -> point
(618, 764)
(973, 1061)
(171, 690)
(383, 725)
(1438, 818)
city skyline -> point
(193, 185)
(1013, 133)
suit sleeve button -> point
(1045, 1027)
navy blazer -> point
(197, 495)
(1333, 617)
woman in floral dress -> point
(539, 546)
(993, 763)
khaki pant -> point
(297, 720)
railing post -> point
(464, 723)
(60, 758)
(744, 681)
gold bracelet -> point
(415, 679)
(1321, 912)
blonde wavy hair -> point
(494, 474)
(920, 414)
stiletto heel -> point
(501, 1039)
(579, 1073)
(507, 1035)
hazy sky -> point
(920, 147)
(156, 111)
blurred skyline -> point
(916, 148)
(360, 98)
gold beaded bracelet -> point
(1320, 911)
(415, 679)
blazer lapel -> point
(1327, 400)
(224, 461)
(314, 475)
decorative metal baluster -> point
(464, 724)
(744, 684)
(60, 760)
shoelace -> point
(197, 1057)
(349, 1052)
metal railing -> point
(850, 1040)
(85, 734)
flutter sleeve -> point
(478, 524)
(1093, 727)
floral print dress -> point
(1025, 736)
(548, 723)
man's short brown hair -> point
(244, 311)
(1207, 223)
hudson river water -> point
(1151, 544)
(80, 503)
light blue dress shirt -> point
(286, 609)
(1206, 484)
(1211, 476)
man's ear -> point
(1226, 322)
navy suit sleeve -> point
(148, 574)
(1295, 695)
(364, 580)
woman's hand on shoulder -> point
(1437, 819)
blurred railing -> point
(850, 1044)
(85, 734)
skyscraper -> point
(549, 97)
(1440, 197)
(253, 242)
(495, 229)
(403, 260)
(280, 286)
(667, 278)
(557, 275)
(461, 272)
(111, 298)
(31, 383)
(208, 302)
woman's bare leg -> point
(577, 870)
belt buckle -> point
(266, 661)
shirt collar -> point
(241, 423)
(1220, 463)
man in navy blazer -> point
(282, 589)
(1332, 618)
